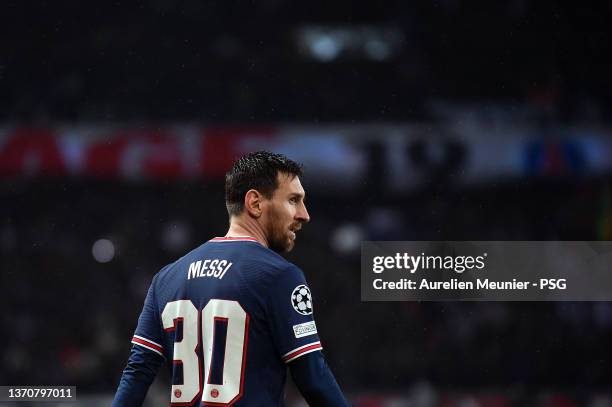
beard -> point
(279, 238)
(281, 244)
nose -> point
(302, 214)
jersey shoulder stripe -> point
(148, 344)
(301, 351)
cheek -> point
(288, 212)
(279, 217)
(282, 215)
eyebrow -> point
(299, 195)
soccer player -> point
(231, 314)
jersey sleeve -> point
(148, 332)
(137, 377)
(316, 382)
(290, 315)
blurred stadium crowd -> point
(432, 121)
(275, 61)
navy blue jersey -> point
(227, 317)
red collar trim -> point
(234, 239)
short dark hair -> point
(259, 171)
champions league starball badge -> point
(301, 300)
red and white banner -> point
(400, 157)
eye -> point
(293, 200)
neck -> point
(247, 226)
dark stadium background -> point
(436, 120)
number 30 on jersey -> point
(186, 350)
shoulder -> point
(264, 268)
(274, 264)
(161, 278)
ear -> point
(253, 201)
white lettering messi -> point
(208, 268)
